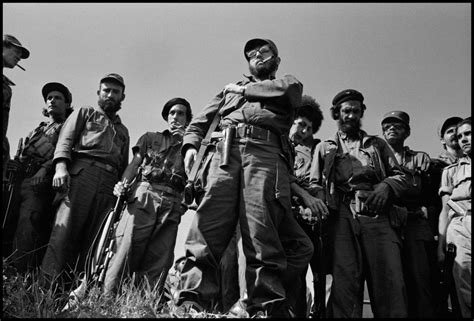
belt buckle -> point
(247, 131)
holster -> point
(229, 134)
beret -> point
(175, 101)
(345, 95)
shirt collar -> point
(343, 135)
(115, 120)
(408, 150)
(251, 78)
(465, 160)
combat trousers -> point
(298, 251)
(78, 219)
(34, 225)
(145, 238)
(459, 233)
(419, 266)
(253, 189)
(230, 273)
(366, 249)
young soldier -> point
(90, 156)
(359, 178)
(259, 112)
(419, 245)
(447, 304)
(146, 233)
(307, 123)
(455, 218)
(36, 172)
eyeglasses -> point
(262, 50)
(395, 126)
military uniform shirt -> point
(268, 104)
(448, 158)
(90, 132)
(162, 157)
(40, 144)
(359, 165)
(456, 182)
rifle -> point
(100, 253)
(12, 176)
(189, 192)
(318, 310)
(319, 278)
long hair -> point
(313, 113)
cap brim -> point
(113, 80)
(55, 86)
(25, 53)
(253, 43)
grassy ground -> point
(24, 298)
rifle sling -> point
(205, 142)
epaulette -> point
(449, 166)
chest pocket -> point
(359, 168)
(97, 134)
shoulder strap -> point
(205, 142)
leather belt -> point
(94, 162)
(166, 189)
(254, 132)
(249, 131)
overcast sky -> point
(410, 57)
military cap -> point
(56, 86)
(257, 42)
(448, 123)
(115, 77)
(13, 41)
(345, 95)
(399, 115)
(175, 101)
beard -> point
(350, 127)
(109, 106)
(263, 71)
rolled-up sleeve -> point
(72, 127)
(446, 186)
(288, 87)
